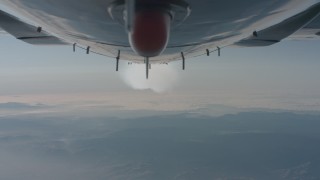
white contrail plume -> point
(161, 77)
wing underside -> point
(305, 25)
(26, 32)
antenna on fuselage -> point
(183, 61)
(146, 59)
(74, 47)
(118, 58)
(88, 49)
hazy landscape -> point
(245, 145)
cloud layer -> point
(256, 145)
(161, 78)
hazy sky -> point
(285, 76)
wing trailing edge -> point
(26, 32)
(284, 29)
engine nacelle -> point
(150, 34)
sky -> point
(282, 76)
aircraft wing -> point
(192, 27)
(305, 25)
(310, 32)
(26, 32)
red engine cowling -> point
(150, 33)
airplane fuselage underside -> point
(210, 24)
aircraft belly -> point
(211, 23)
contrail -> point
(162, 77)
